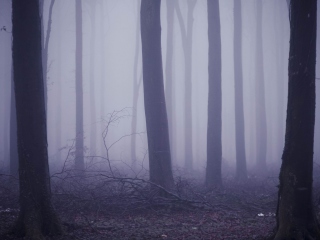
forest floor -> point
(235, 211)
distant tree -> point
(79, 150)
(261, 122)
(214, 144)
(154, 100)
(241, 173)
(186, 35)
(136, 87)
(37, 216)
(45, 44)
(169, 90)
(93, 127)
(295, 212)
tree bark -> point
(79, 151)
(37, 216)
(295, 214)
(14, 158)
(154, 100)
(214, 144)
(241, 162)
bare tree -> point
(154, 100)
(295, 212)
(79, 151)
(241, 173)
(214, 144)
(37, 216)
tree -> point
(295, 213)
(186, 35)
(37, 216)
(261, 123)
(79, 159)
(14, 158)
(241, 173)
(214, 144)
(136, 87)
(154, 100)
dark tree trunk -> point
(295, 214)
(261, 123)
(241, 173)
(14, 158)
(136, 87)
(214, 145)
(79, 159)
(37, 216)
(154, 100)
(169, 71)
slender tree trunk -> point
(36, 216)
(187, 34)
(93, 126)
(79, 159)
(136, 87)
(261, 123)
(214, 144)
(295, 214)
(103, 73)
(154, 100)
(238, 89)
(168, 71)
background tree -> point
(241, 162)
(186, 35)
(214, 144)
(36, 216)
(295, 213)
(79, 159)
(261, 122)
(154, 100)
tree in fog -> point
(261, 123)
(93, 127)
(36, 216)
(186, 36)
(169, 91)
(45, 45)
(154, 100)
(214, 144)
(296, 218)
(79, 159)
(241, 173)
(136, 87)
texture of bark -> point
(295, 212)
(154, 100)
(37, 216)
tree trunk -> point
(214, 145)
(154, 100)
(295, 214)
(168, 71)
(136, 87)
(37, 216)
(93, 125)
(261, 124)
(79, 159)
(241, 173)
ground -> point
(235, 211)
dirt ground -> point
(236, 211)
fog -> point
(109, 45)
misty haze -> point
(150, 119)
